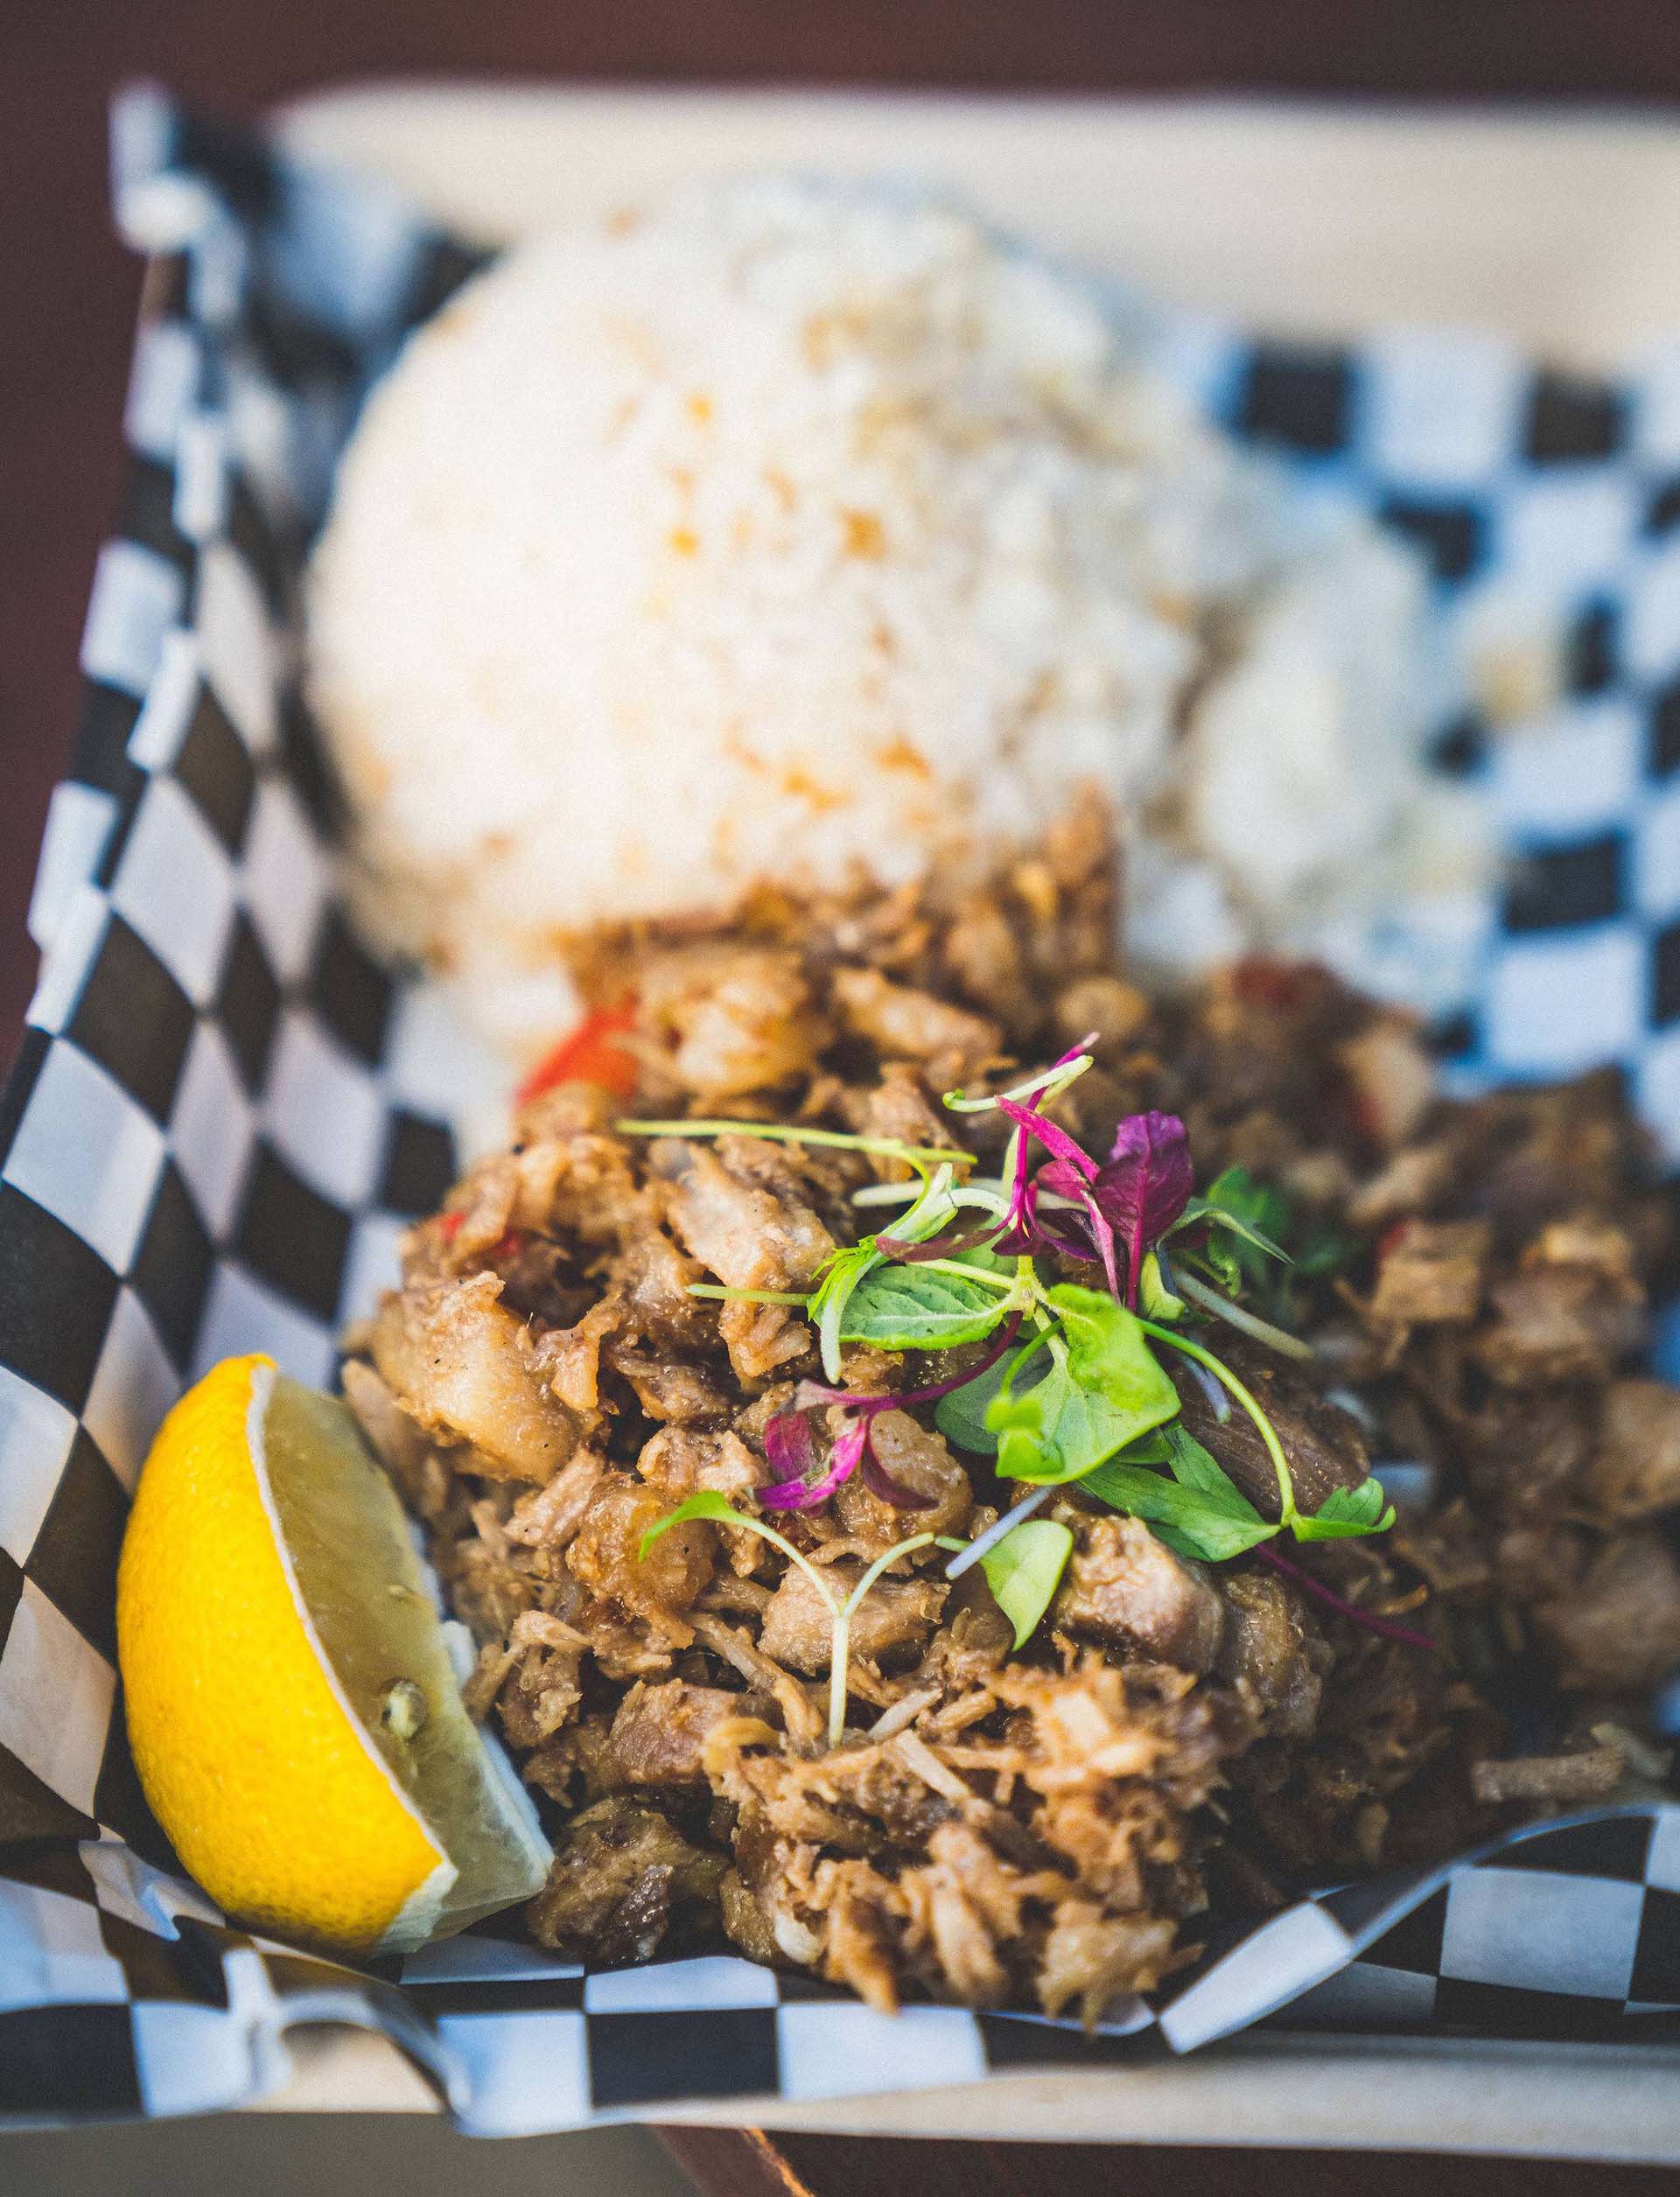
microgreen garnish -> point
(1105, 1388)
(1134, 1198)
(790, 1441)
(1389, 1627)
(1025, 1570)
(1084, 1394)
(709, 1505)
(920, 1156)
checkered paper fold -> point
(224, 1110)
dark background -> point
(67, 297)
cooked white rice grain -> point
(788, 527)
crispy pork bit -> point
(622, 1876)
(659, 1736)
(679, 1461)
(550, 1518)
(920, 1460)
(907, 1025)
(1126, 1590)
(461, 1364)
(747, 1236)
(1432, 1274)
(895, 1619)
(1026, 1827)
(395, 1438)
(1635, 1467)
(1618, 1630)
(728, 1019)
(1560, 1780)
(606, 1556)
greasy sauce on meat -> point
(1029, 1827)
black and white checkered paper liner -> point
(223, 1111)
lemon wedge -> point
(295, 1717)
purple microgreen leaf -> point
(790, 1447)
(938, 1247)
(1052, 1136)
(881, 1482)
(1143, 1185)
(806, 1494)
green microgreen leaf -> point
(1254, 1212)
(1218, 1255)
(1346, 1513)
(848, 1268)
(1157, 1300)
(718, 1510)
(841, 1274)
(921, 1308)
(1108, 1353)
(1200, 1512)
(1325, 1250)
(1268, 1433)
(1105, 1389)
(961, 1417)
(1025, 1570)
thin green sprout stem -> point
(983, 1194)
(780, 1541)
(1006, 1283)
(744, 1295)
(918, 1156)
(1222, 1372)
(840, 1655)
(1047, 1084)
(1251, 1323)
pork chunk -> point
(1557, 1323)
(1125, 1589)
(679, 1460)
(1433, 1274)
(746, 1235)
(1635, 1467)
(907, 1025)
(895, 1619)
(1618, 1630)
(729, 1017)
(606, 1554)
(659, 1735)
(461, 1364)
(1267, 1651)
(622, 1876)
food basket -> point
(225, 1109)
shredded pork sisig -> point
(949, 1547)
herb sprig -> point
(1072, 1384)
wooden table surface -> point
(69, 295)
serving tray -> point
(260, 1139)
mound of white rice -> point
(788, 527)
